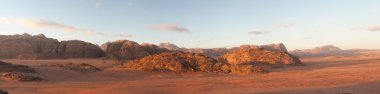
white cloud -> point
(170, 27)
(54, 25)
(258, 32)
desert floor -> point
(327, 75)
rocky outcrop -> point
(260, 56)
(79, 49)
(187, 62)
(12, 76)
(273, 47)
(8, 67)
(130, 50)
(39, 47)
(218, 52)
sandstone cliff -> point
(260, 56)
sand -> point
(326, 75)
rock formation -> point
(39, 47)
(79, 49)
(273, 47)
(125, 50)
(260, 56)
(187, 62)
(130, 50)
(15, 45)
(218, 52)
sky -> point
(299, 24)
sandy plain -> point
(323, 75)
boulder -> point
(260, 56)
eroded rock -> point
(262, 56)
(187, 62)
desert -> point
(126, 67)
(189, 47)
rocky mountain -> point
(130, 50)
(188, 62)
(26, 46)
(260, 56)
(328, 50)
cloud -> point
(4, 20)
(373, 28)
(170, 27)
(258, 32)
(54, 25)
(122, 35)
(286, 24)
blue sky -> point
(299, 24)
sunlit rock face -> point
(188, 62)
(261, 56)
